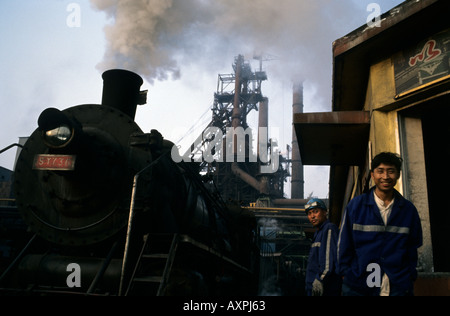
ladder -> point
(154, 265)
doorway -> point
(436, 136)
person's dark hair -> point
(387, 159)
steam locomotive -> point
(110, 213)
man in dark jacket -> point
(321, 276)
(380, 234)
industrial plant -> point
(226, 216)
(230, 207)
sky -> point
(53, 53)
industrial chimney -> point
(297, 177)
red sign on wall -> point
(424, 63)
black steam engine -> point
(110, 212)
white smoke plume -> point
(155, 37)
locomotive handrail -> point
(16, 260)
(9, 147)
(102, 270)
(1, 152)
(130, 220)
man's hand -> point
(317, 289)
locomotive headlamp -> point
(56, 127)
(58, 137)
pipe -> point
(236, 116)
(251, 208)
(263, 125)
(51, 270)
(263, 140)
(289, 202)
(244, 176)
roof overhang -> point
(333, 138)
(354, 53)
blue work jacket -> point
(322, 260)
(364, 239)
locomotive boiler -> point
(105, 199)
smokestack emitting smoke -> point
(154, 37)
(297, 186)
(121, 90)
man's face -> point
(385, 177)
(317, 216)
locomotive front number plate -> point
(54, 162)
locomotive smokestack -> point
(121, 90)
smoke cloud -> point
(155, 37)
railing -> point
(125, 263)
(9, 147)
(7, 199)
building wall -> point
(391, 132)
(400, 73)
(381, 87)
(384, 129)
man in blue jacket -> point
(321, 276)
(380, 234)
